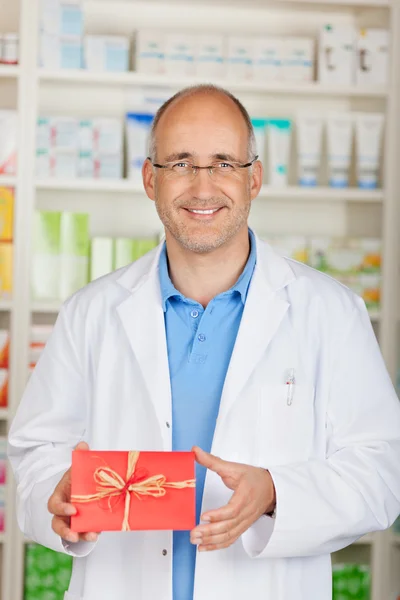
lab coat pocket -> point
(285, 430)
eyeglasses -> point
(217, 170)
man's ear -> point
(256, 179)
(148, 179)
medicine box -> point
(298, 62)
(268, 57)
(337, 52)
(149, 52)
(6, 213)
(106, 53)
(6, 269)
(179, 54)
(372, 57)
(210, 55)
(239, 58)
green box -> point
(74, 248)
(351, 582)
(47, 573)
(46, 255)
(123, 252)
(143, 245)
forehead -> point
(203, 125)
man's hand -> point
(254, 495)
(59, 505)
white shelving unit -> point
(120, 207)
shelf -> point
(46, 306)
(365, 540)
(8, 181)
(10, 71)
(132, 78)
(289, 192)
(5, 304)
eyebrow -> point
(183, 155)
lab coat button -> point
(164, 552)
(168, 425)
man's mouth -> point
(203, 211)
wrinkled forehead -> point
(203, 128)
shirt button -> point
(194, 314)
(201, 337)
(164, 552)
(168, 425)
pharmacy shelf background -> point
(119, 208)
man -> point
(214, 341)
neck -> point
(201, 277)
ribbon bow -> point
(110, 485)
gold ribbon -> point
(110, 485)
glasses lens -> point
(182, 169)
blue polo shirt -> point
(200, 343)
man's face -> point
(203, 130)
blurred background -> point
(80, 81)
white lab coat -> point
(334, 454)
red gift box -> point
(123, 491)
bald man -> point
(213, 342)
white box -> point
(43, 163)
(64, 133)
(240, 58)
(108, 136)
(298, 63)
(8, 142)
(61, 17)
(101, 257)
(106, 53)
(268, 56)
(150, 52)
(210, 55)
(337, 54)
(60, 52)
(373, 57)
(138, 127)
(179, 54)
(63, 163)
(43, 133)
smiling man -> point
(213, 341)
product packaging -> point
(9, 54)
(268, 56)
(6, 269)
(150, 52)
(209, 56)
(295, 247)
(74, 253)
(2, 508)
(351, 582)
(3, 388)
(260, 133)
(239, 58)
(337, 54)
(340, 138)
(179, 54)
(123, 252)
(8, 142)
(279, 136)
(4, 348)
(46, 255)
(298, 63)
(138, 127)
(369, 133)
(60, 52)
(309, 147)
(6, 214)
(47, 573)
(106, 53)
(143, 245)
(104, 509)
(373, 57)
(101, 257)
(3, 460)
(62, 17)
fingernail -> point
(196, 541)
(71, 538)
(70, 510)
(202, 548)
(91, 537)
(205, 520)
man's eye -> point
(225, 165)
(181, 165)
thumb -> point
(82, 446)
(205, 459)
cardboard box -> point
(3, 388)
(373, 57)
(4, 348)
(46, 255)
(101, 259)
(6, 269)
(240, 58)
(8, 142)
(6, 214)
(210, 55)
(298, 62)
(179, 54)
(106, 53)
(268, 58)
(150, 52)
(74, 253)
(123, 252)
(337, 54)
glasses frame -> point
(196, 168)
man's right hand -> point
(60, 506)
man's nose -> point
(203, 184)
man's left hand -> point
(253, 496)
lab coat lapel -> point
(142, 318)
(262, 315)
